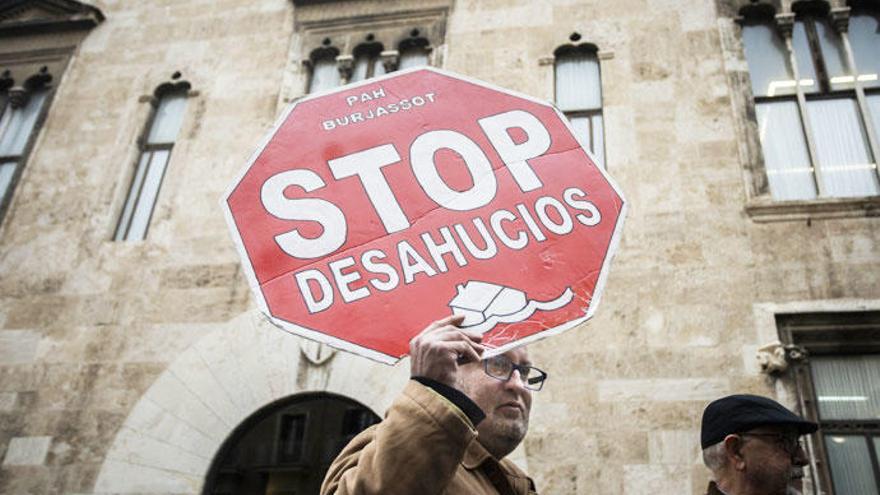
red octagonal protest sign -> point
(376, 208)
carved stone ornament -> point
(390, 59)
(18, 97)
(316, 353)
(345, 64)
(796, 354)
(771, 358)
(839, 17)
(41, 16)
(785, 24)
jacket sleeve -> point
(417, 448)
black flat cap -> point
(741, 413)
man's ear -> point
(733, 448)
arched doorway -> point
(286, 447)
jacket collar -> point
(475, 455)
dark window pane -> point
(785, 151)
(415, 56)
(846, 386)
(324, 75)
(874, 109)
(131, 199)
(864, 36)
(877, 447)
(839, 74)
(356, 420)
(6, 171)
(361, 67)
(578, 86)
(169, 116)
(588, 131)
(850, 465)
(806, 70)
(17, 124)
(291, 441)
(766, 55)
(146, 200)
(366, 66)
(845, 166)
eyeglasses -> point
(789, 443)
(502, 368)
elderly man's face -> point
(506, 404)
(773, 460)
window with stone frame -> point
(578, 93)
(836, 358)
(814, 80)
(339, 46)
(24, 93)
(329, 68)
(36, 41)
(155, 144)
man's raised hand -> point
(441, 348)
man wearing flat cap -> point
(752, 446)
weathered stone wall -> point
(88, 324)
(92, 330)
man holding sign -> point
(452, 427)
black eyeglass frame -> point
(524, 371)
(789, 443)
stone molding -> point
(764, 209)
(40, 16)
(171, 436)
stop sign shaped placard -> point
(376, 208)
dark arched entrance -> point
(286, 447)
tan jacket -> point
(424, 446)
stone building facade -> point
(136, 363)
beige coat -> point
(424, 446)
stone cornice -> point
(24, 17)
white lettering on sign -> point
(355, 277)
(322, 211)
(515, 155)
(421, 155)
(403, 104)
(368, 260)
(352, 281)
(365, 96)
(367, 166)
(594, 217)
(324, 288)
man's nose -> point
(800, 457)
(516, 380)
